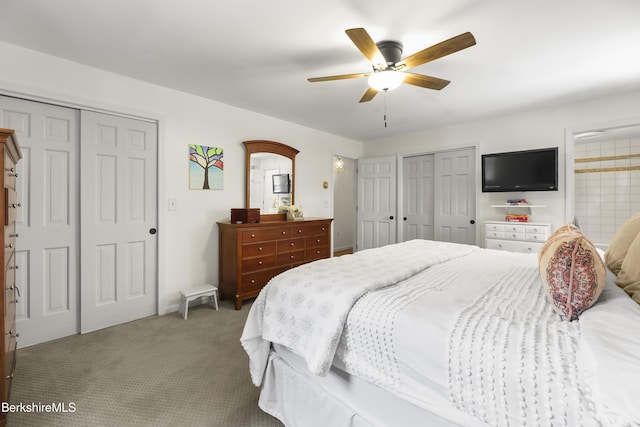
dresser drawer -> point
(537, 229)
(290, 245)
(11, 206)
(514, 228)
(9, 358)
(9, 172)
(495, 234)
(309, 229)
(291, 257)
(250, 236)
(494, 228)
(259, 263)
(9, 243)
(319, 240)
(317, 253)
(258, 249)
(513, 246)
(535, 237)
(514, 235)
(256, 281)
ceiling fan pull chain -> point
(385, 108)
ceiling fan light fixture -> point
(386, 80)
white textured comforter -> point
(305, 308)
(470, 337)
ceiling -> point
(257, 55)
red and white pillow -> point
(572, 271)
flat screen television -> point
(530, 170)
(281, 183)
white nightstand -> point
(527, 237)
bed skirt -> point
(296, 397)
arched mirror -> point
(270, 175)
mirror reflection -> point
(270, 176)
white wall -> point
(534, 129)
(188, 253)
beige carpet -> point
(158, 371)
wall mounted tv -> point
(281, 183)
(530, 170)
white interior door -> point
(377, 204)
(455, 207)
(47, 220)
(118, 219)
(417, 197)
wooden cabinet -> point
(525, 237)
(251, 254)
(10, 153)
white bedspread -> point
(465, 333)
(475, 337)
(305, 308)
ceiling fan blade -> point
(368, 47)
(338, 77)
(436, 51)
(427, 82)
(368, 95)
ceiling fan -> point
(389, 71)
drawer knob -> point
(253, 281)
(318, 240)
(299, 230)
(291, 243)
(291, 257)
(253, 235)
(318, 252)
(499, 245)
(322, 228)
(259, 262)
(284, 232)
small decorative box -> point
(245, 215)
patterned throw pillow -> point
(572, 272)
(629, 276)
(617, 250)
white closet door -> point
(455, 189)
(417, 197)
(118, 219)
(47, 221)
(377, 204)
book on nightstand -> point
(517, 217)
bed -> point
(440, 334)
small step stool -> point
(210, 291)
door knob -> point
(473, 221)
(153, 231)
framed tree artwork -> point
(206, 167)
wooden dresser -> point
(10, 152)
(251, 254)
